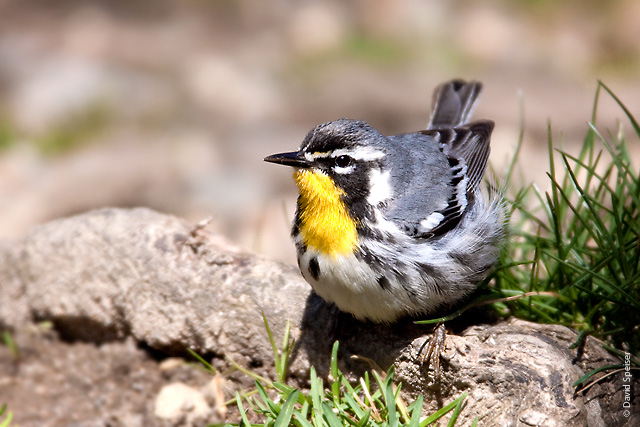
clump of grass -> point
(370, 403)
(280, 355)
(578, 245)
(339, 403)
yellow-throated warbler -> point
(393, 226)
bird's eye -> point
(343, 161)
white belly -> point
(353, 287)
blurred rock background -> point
(172, 104)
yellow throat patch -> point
(325, 223)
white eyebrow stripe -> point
(313, 156)
(358, 153)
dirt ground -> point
(173, 104)
(58, 383)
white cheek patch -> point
(380, 187)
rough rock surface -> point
(114, 273)
(112, 278)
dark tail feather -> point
(453, 103)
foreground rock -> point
(112, 274)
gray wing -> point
(469, 144)
(467, 151)
(420, 174)
(438, 177)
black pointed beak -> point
(294, 158)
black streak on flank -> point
(384, 282)
(314, 268)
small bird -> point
(397, 226)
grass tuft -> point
(575, 250)
(336, 404)
(340, 404)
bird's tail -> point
(453, 103)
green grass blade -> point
(302, 420)
(11, 345)
(633, 121)
(271, 405)
(588, 375)
(386, 387)
(243, 414)
(442, 411)
(353, 405)
(331, 418)
(456, 411)
(286, 411)
(364, 419)
(316, 392)
(335, 375)
(200, 359)
(417, 412)
(7, 421)
(272, 342)
(287, 348)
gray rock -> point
(112, 273)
